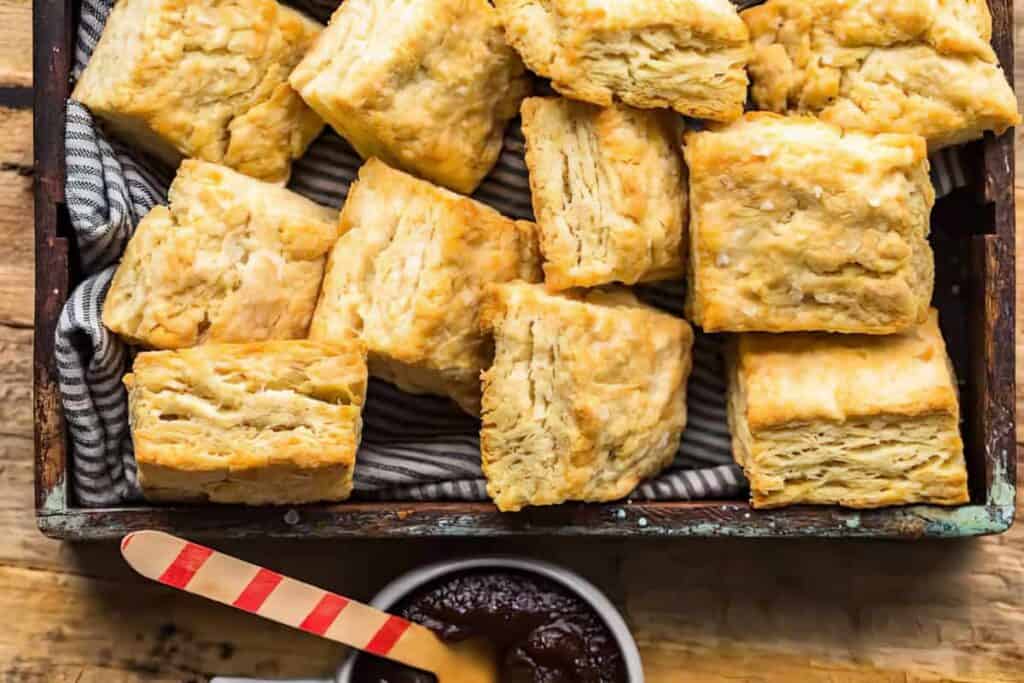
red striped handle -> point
(197, 569)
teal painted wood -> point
(729, 519)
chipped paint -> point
(652, 519)
(55, 497)
(913, 522)
(970, 520)
(1002, 492)
(975, 520)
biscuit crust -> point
(586, 396)
(797, 226)
(687, 55)
(262, 423)
(230, 259)
(904, 66)
(206, 79)
(426, 85)
(810, 424)
(408, 273)
(609, 192)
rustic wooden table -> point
(702, 610)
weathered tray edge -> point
(710, 519)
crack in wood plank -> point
(16, 96)
(6, 166)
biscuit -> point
(882, 66)
(425, 85)
(230, 259)
(687, 55)
(408, 273)
(848, 420)
(796, 226)
(586, 396)
(609, 191)
(206, 79)
(269, 422)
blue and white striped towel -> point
(414, 447)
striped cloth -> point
(414, 447)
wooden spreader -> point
(199, 570)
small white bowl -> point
(404, 585)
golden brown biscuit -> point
(609, 191)
(586, 396)
(271, 422)
(425, 85)
(847, 419)
(206, 79)
(231, 259)
(795, 226)
(903, 66)
(408, 273)
(688, 55)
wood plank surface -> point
(15, 38)
(16, 249)
(702, 610)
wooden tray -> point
(973, 238)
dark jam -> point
(544, 633)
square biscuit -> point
(847, 419)
(609, 191)
(797, 226)
(230, 259)
(425, 85)
(269, 422)
(882, 66)
(206, 79)
(408, 273)
(586, 396)
(687, 55)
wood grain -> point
(702, 610)
(16, 238)
(15, 34)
